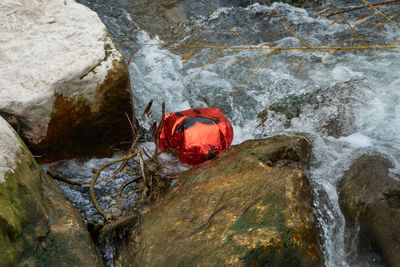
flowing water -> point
(347, 101)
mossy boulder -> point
(333, 106)
(38, 225)
(370, 201)
(250, 207)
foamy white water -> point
(346, 101)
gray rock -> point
(370, 200)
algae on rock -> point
(38, 225)
(252, 207)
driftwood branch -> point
(123, 221)
(59, 177)
(96, 176)
(130, 58)
(360, 7)
(134, 143)
(142, 169)
(121, 189)
(158, 133)
(126, 197)
(131, 149)
(112, 223)
(147, 110)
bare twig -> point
(363, 17)
(147, 153)
(368, 22)
(121, 189)
(380, 25)
(148, 107)
(336, 20)
(286, 24)
(322, 11)
(380, 13)
(59, 177)
(126, 197)
(64, 179)
(227, 23)
(96, 176)
(130, 58)
(205, 66)
(142, 168)
(360, 7)
(206, 101)
(131, 149)
(301, 65)
(348, 24)
(158, 133)
(187, 55)
(255, 72)
(135, 133)
(121, 222)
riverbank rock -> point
(251, 207)
(370, 201)
(64, 85)
(38, 225)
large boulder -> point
(252, 206)
(370, 201)
(63, 84)
(38, 225)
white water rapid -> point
(346, 101)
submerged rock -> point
(370, 201)
(252, 206)
(38, 225)
(62, 79)
(331, 110)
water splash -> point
(346, 101)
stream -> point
(347, 101)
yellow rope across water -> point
(383, 15)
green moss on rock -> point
(235, 210)
(38, 226)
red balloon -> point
(198, 134)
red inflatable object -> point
(198, 134)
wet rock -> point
(263, 116)
(307, 4)
(370, 201)
(64, 82)
(252, 206)
(291, 105)
(160, 18)
(38, 225)
(334, 107)
(195, 22)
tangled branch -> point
(97, 174)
